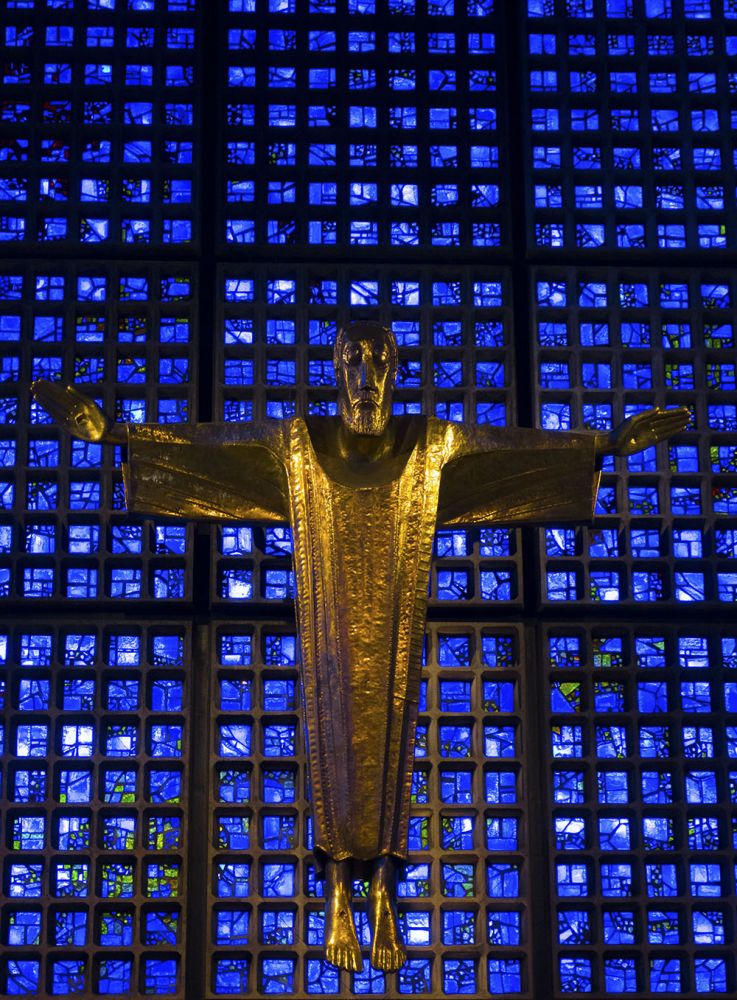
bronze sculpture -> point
(363, 492)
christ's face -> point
(366, 380)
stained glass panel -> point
(125, 336)
(97, 125)
(274, 360)
(640, 841)
(96, 808)
(627, 112)
(356, 125)
(607, 346)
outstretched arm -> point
(642, 431)
(517, 475)
(79, 415)
(222, 472)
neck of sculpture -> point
(359, 449)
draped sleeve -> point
(222, 472)
(517, 475)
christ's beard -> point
(365, 420)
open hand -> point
(644, 430)
(77, 414)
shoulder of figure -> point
(215, 434)
(441, 430)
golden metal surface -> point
(363, 493)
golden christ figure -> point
(363, 492)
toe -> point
(394, 959)
(379, 960)
(334, 956)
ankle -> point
(337, 880)
(382, 879)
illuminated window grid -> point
(95, 785)
(609, 343)
(126, 335)
(97, 138)
(464, 894)
(376, 124)
(274, 359)
(641, 831)
(630, 123)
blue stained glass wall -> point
(193, 197)
(361, 124)
(642, 790)
(608, 345)
(125, 335)
(630, 124)
(97, 129)
(95, 787)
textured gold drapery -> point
(362, 549)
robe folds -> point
(362, 550)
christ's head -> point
(365, 360)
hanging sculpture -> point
(363, 492)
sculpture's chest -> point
(358, 525)
(362, 545)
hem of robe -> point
(322, 856)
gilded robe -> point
(362, 550)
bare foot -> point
(387, 950)
(341, 943)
